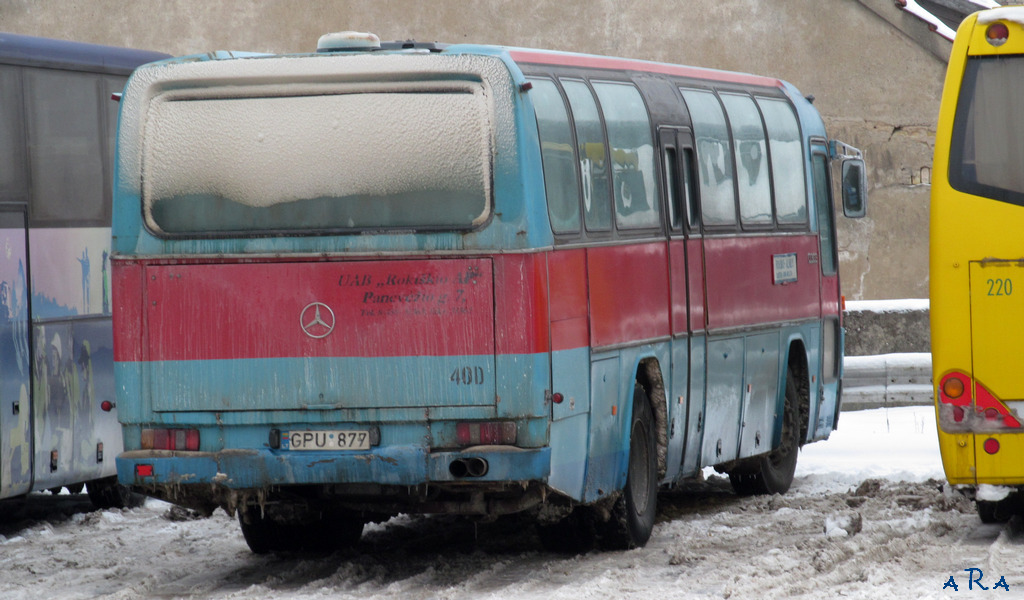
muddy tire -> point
(773, 472)
(108, 493)
(574, 534)
(995, 512)
(325, 533)
(632, 515)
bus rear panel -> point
(976, 286)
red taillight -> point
(170, 439)
(106, 406)
(997, 34)
(473, 434)
(958, 414)
(143, 470)
(991, 445)
(557, 398)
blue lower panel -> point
(395, 465)
(320, 383)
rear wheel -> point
(108, 493)
(323, 532)
(773, 472)
(574, 534)
(632, 516)
(999, 511)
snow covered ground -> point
(868, 518)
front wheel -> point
(632, 515)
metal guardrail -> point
(887, 380)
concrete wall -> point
(874, 332)
(875, 85)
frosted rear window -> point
(354, 161)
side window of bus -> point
(823, 206)
(751, 160)
(594, 175)
(557, 155)
(66, 145)
(633, 171)
(714, 159)
(787, 161)
(13, 183)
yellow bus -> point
(977, 262)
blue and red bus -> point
(417, 278)
(58, 428)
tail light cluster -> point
(970, 407)
(997, 34)
(170, 439)
(486, 433)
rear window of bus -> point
(360, 159)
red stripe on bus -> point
(570, 327)
(629, 293)
(321, 309)
(741, 286)
(520, 303)
(603, 62)
(127, 314)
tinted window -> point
(66, 146)
(751, 160)
(787, 161)
(557, 154)
(12, 150)
(633, 172)
(987, 149)
(592, 156)
(714, 160)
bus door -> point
(824, 408)
(686, 266)
(15, 380)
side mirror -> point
(855, 188)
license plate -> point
(328, 440)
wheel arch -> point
(650, 376)
(797, 363)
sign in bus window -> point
(629, 135)
(592, 153)
(714, 158)
(751, 159)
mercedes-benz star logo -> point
(317, 320)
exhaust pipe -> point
(476, 467)
(468, 467)
(458, 468)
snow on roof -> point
(934, 23)
(1009, 13)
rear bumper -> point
(262, 468)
